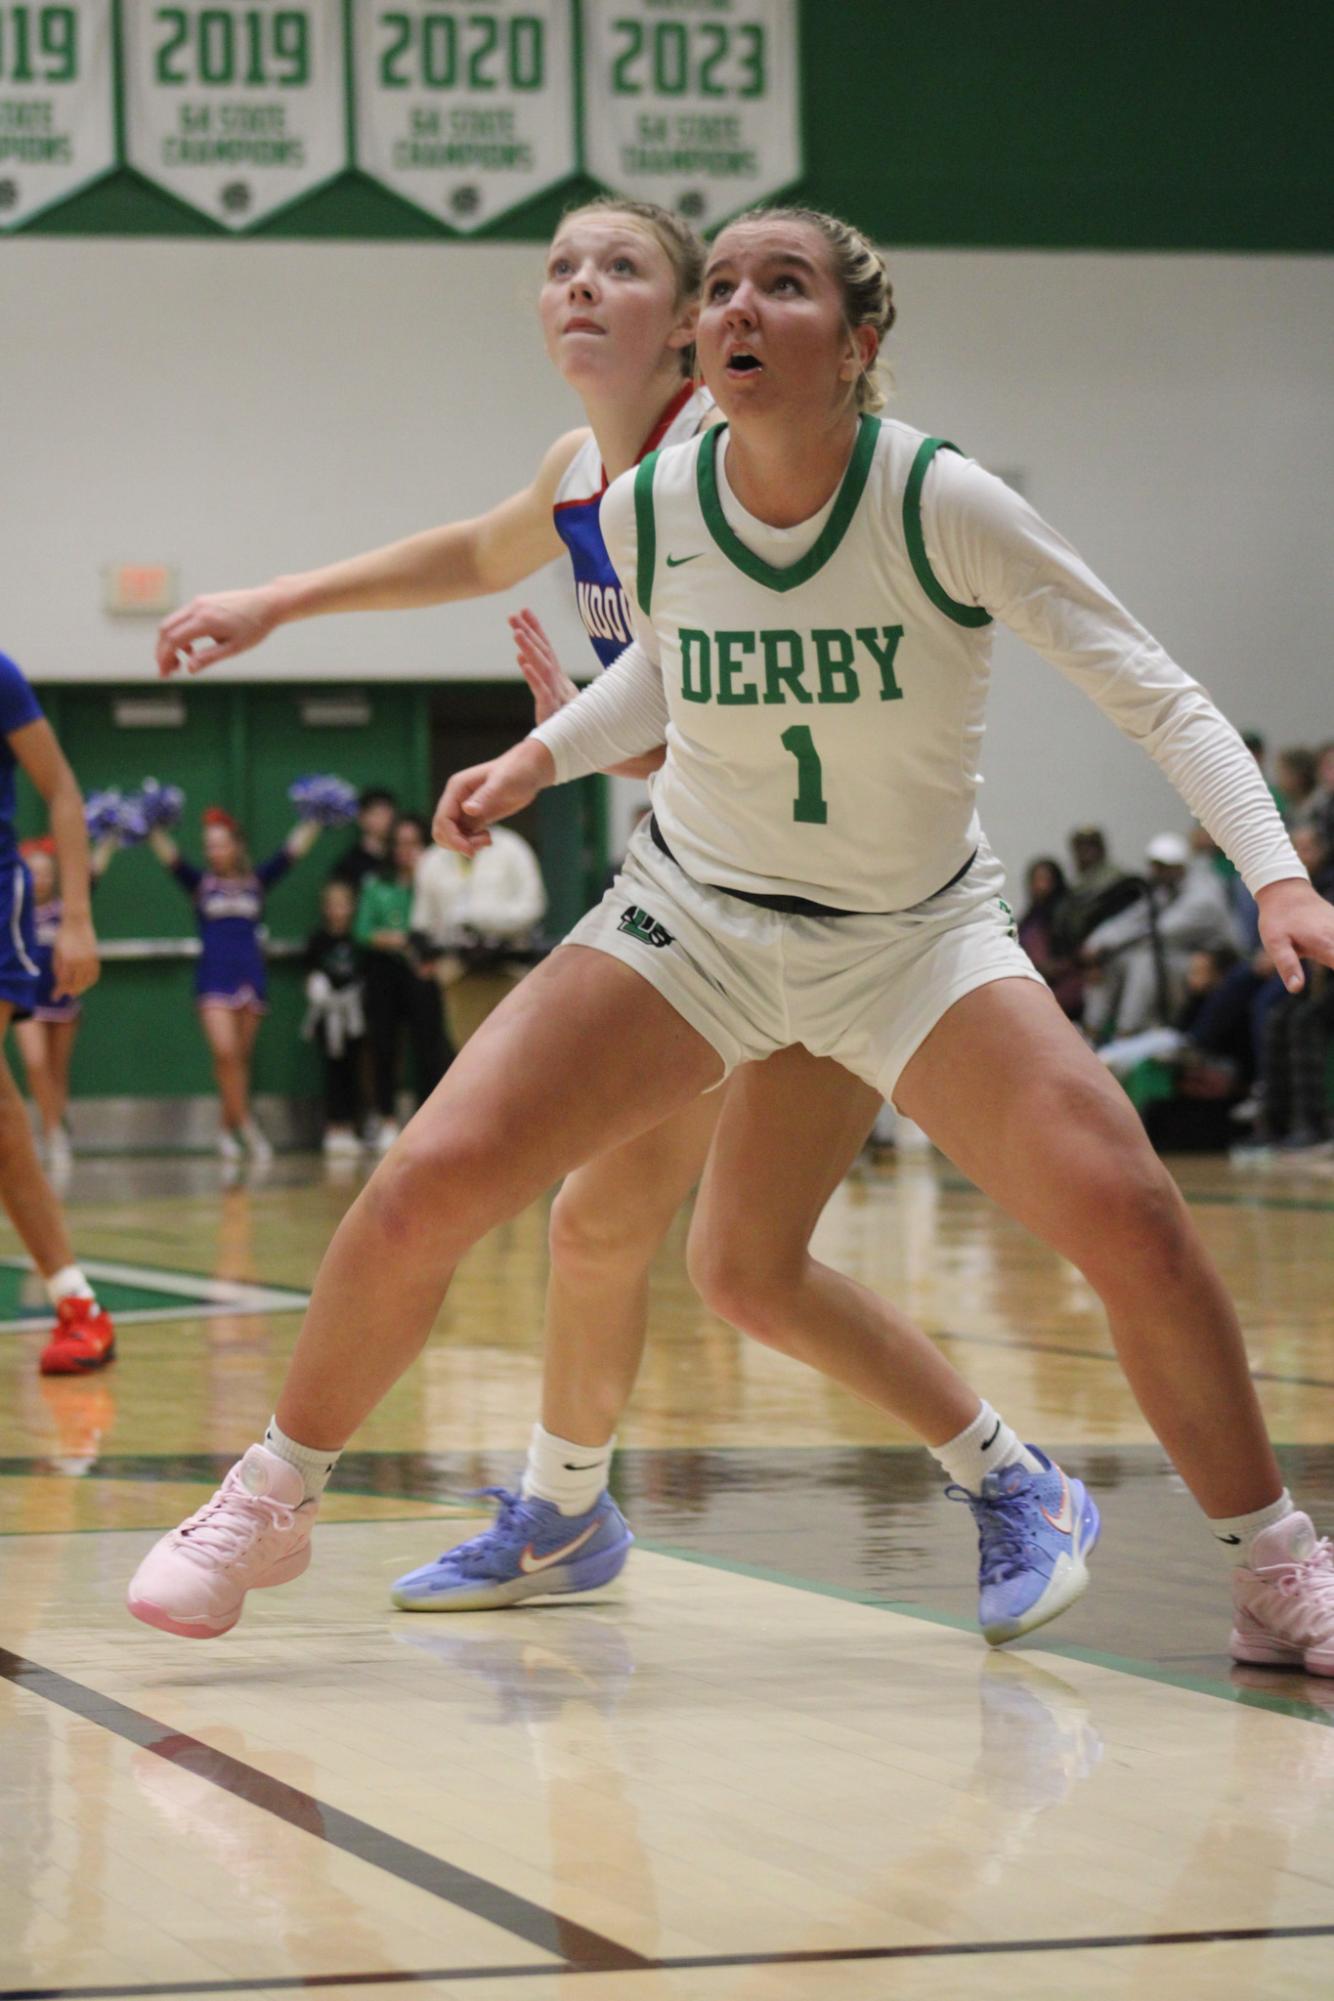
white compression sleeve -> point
(620, 716)
(989, 547)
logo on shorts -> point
(1011, 928)
(647, 929)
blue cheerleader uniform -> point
(45, 1006)
(228, 910)
(18, 940)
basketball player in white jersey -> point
(814, 562)
(617, 310)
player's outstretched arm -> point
(552, 688)
(474, 799)
(1296, 923)
(74, 957)
(462, 559)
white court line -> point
(207, 1298)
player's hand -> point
(214, 628)
(551, 685)
(1295, 924)
(474, 799)
(74, 960)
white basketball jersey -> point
(824, 718)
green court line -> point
(1305, 1712)
(1202, 1198)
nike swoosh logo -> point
(987, 1442)
(528, 1563)
(675, 562)
(1063, 1521)
(570, 1467)
(1228, 1538)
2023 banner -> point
(464, 108)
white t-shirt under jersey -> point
(824, 731)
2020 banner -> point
(465, 107)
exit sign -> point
(143, 590)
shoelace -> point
(1003, 1534)
(1314, 1574)
(474, 1557)
(221, 1529)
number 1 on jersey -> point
(809, 804)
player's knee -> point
(746, 1291)
(588, 1235)
(1135, 1223)
(432, 1200)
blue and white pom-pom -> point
(101, 813)
(329, 801)
(161, 805)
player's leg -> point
(789, 1131)
(83, 1337)
(61, 1038)
(1006, 1088)
(34, 1039)
(505, 1122)
(607, 1224)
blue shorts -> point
(18, 942)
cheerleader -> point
(46, 1038)
(231, 985)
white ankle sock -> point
(68, 1283)
(1234, 1534)
(313, 1466)
(570, 1476)
(983, 1447)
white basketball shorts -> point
(864, 990)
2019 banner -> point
(464, 109)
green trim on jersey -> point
(962, 614)
(835, 528)
(645, 531)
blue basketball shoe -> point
(530, 1550)
(1034, 1531)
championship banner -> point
(57, 103)
(692, 103)
(465, 107)
(236, 106)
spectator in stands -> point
(1098, 889)
(377, 810)
(1296, 776)
(1296, 1038)
(1319, 809)
(1140, 956)
(401, 995)
(479, 917)
(336, 1017)
(1041, 926)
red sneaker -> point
(82, 1338)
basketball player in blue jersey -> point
(617, 309)
(826, 879)
(83, 1337)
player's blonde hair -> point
(674, 236)
(863, 279)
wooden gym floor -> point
(776, 1763)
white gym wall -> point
(236, 409)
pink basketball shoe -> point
(1284, 1599)
(253, 1533)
